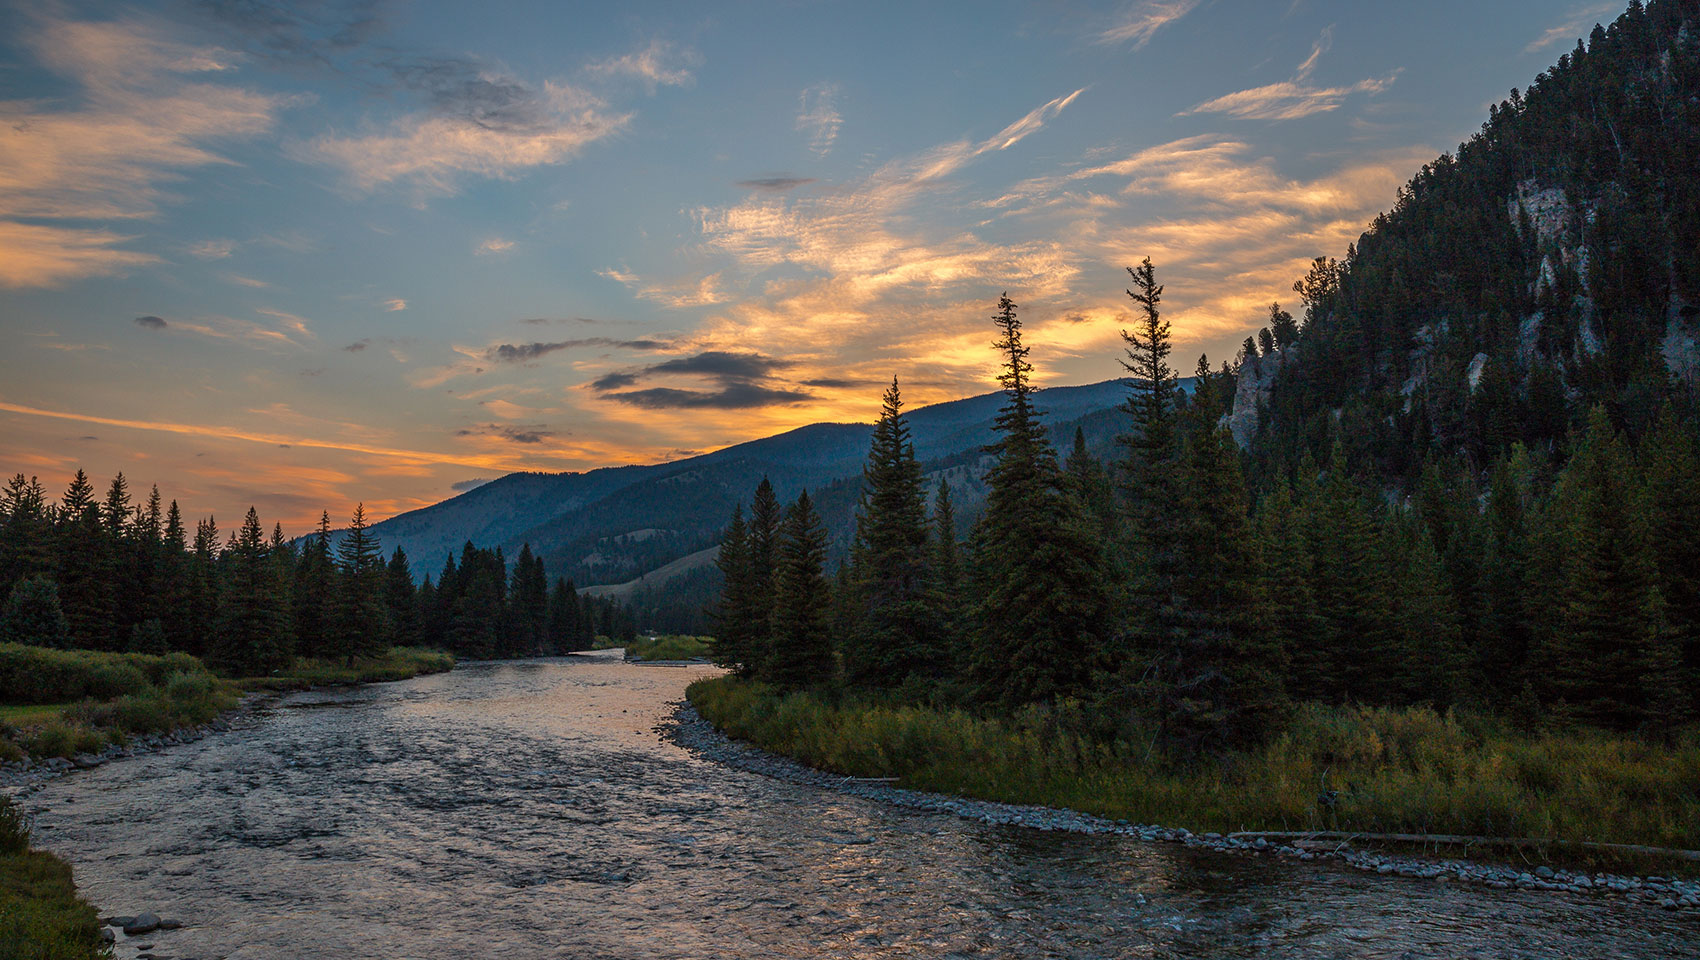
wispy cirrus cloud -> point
(660, 64)
(1295, 98)
(1574, 25)
(481, 123)
(1139, 21)
(818, 116)
(395, 305)
(1288, 100)
(145, 108)
(491, 246)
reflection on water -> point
(529, 810)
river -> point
(530, 810)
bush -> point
(31, 674)
(32, 615)
(14, 828)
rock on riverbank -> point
(689, 730)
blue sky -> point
(303, 255)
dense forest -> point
(1474, 480)
(110, 574)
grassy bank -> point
(41, 916)
(1391, 771)
(670, 647)
(399, 663)
(59, 703)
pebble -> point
(690, 731)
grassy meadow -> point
(1372, 770)
(41, 916)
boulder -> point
(142, 923)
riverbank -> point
(1002, 774)
(41, 915)
(81, 707)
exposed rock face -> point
(1256, 378)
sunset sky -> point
(382, 251)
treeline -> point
(109, 574)
(1168, 597)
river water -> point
(528, 810)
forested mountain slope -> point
(1550, 265)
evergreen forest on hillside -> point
(112, 575)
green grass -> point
(59, 703)
(399, 663)
(41, 916)
(1395, 771)
(670, 647)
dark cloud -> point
(737, 396)
(151, 322)
(522, 352)
(461, 486)
(614, 381)
(470, 90)
(1077, 318)
(88, 437)
(841, 384)
(723, 364)
(545, 320)
(358, 346)
(775, 184)
(745, 380)
(516, 433)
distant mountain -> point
(614, 526)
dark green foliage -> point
(801, 646)
(1040, 570)
(740, 623)
(253, 636)
(1215, 678)
(1672, 470)
(359, 623)
(32, 615)
(894, 628)
(528, 604)
(1612, 660)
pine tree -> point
(947, 584)
(1430, 659)
(1289, 604)
(801, 652)
(26, 531)
(360, 624)
(765, 520)
(1218, 671)
(1502, 653)
(1612, 661)
(84, 565)
(315, 593)
(565, 617)
(528, 597)
(1149, 473)
(402, 599)
(252, 637)
(894, 634)
(737, 621)
(1040, 569)
(1352, 589)
(1671, 467)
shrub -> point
(14, 828)
(32, 615)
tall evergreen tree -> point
(738, 622)
(765, 520)
(528, 597)
(1672, 470)
(1044, 599)
(84, 566)
(1218, 671)
(315, 594)
(894, 635)
(402, 599)
(1612, 661)
(801, 652)
(360, 624)
(1150, 471)
(252, 636)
